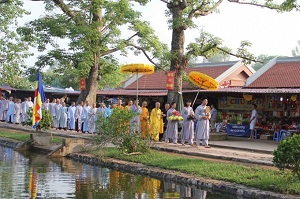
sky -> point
(270, 32)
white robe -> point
(78, 112)
(4, 107)
(135, 122)
(202, 128)
(24, 109)
(11, 112)
(56, 116)
(172, 128)
(71, 117)
(92, 120)
(187, 126)
(63, 117)
(85, 118)
(18, 113)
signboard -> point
(233, 103)
(170, 80)
(238, 130)
(82, 84)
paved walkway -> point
(233, 149)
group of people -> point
(154, 123)
(13, 110)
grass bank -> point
(254, 176)
(15, 135)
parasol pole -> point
(137, 85)
(195, 98)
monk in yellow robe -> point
(144, 118)
(130, 103)
(156, 122)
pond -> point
(34, 176)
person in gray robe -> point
(78, 112)
(92, 114)
(135, 122)
(56, 114)
(202, 128)
(46, 104)
(63, 116)
(100, 115)
(188, 124)
(18, 112)
(172, 126)
(52, 110)
(11, 111)
(4, 108)
(71, 116)
(85, 117)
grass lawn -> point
(15, 135)
(254, 176)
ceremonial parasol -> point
(203, 81)
(137, 68)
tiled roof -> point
(157, 80)
(133, 92)
(284, 73)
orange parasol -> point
(137, 68)
(203, 81)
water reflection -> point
(34, 176)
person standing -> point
(18, 112)
(156, 122)
(11, 111)
(85, 117)
(129, 105)
(71, 116)
(24, 110)
(135, 122)
(253, 120)
(188, 124)
(172, 127)
(56, 114)
(46, 104)
(144, 119)
(213, 118)
(165, 121)
(92, 119)
(101, 109)
(78, 112)
(29, 103)
(63, 116)
(119, 104)
(202, 128)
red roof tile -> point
(281, 75)
(118, 92)
(157, 80)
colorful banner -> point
(39, 99)
(238, 130)
(82, 84)
(233, 103)
(170, 80)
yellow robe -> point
(144, 118)
(156, 123)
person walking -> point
(202, 128)
(172, 127)
(188, 124)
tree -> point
(93, 29)
(296, 50)
(181, 14)
(218, 58)
(12, 49)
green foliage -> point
(287, 155)
(12, 49)
(45, 123)
(116, 130)
(263, 59)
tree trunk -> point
(89, 94)
(178, 61)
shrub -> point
(287, 155)
(45, 123)
(115, 129)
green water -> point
(34, 176)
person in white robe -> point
(56, 115)
(4, 105)
(85, 117)
(24, 110)
(100, 115)
(172, 126)
(202, 128)
(2, 99)
(29, 103)
(92, 119)
(18, 112)
(78, 112)
(71, 116)
(63, 116)
(11, 111)
(188, 124)
(135, 122)
(108, 111)
(253, 120)
(46, 105)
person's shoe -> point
(207, 146)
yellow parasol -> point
(137, 68)
(203, 81)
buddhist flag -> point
(39, 99)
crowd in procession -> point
(155, 123)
